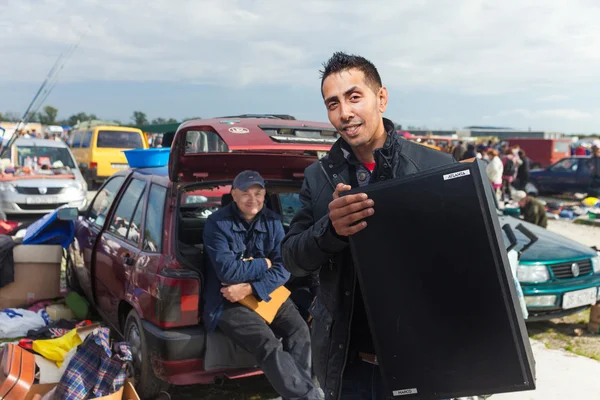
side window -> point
(121, 221)
(86, 140)
(566, 165)
(76, 139)
(205, 142)
(103, 201)
(135, 229)
(153, 230)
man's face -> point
(249, 201)
(353, 107)
(523, 202)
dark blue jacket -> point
(228, 239)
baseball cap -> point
(519, 195)
(246, 179)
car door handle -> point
(128, 260)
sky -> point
(447, 64)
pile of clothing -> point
(73, 361)
(75, 356)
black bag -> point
(438, 288)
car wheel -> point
(147, 384)
(70, 276)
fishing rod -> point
(43, 91)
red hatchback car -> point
(138, 254)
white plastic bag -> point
(16, 322)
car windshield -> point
(119, 140)
(40, 156)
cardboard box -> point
(127, 392)
(595, 314)
(59, 311)
(37, 275)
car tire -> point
(147, 385)
(70, 277)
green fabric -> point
(78, 305)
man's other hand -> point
(235, 293)
(345, 211)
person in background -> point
(523, 172)
(579, 150)
(459, 151)
(509, 172)
(531, 209)
(470, 153)
(494, 171)
(595, 183)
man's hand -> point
(345, 211)
(235, 293)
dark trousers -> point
(362, 381)
(285, 363)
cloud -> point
(470, 46)
(561, 113)
(552, 98)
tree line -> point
(49, 116)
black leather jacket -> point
(312, 245)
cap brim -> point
(249, 184)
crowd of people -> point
(506, 166)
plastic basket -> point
(147, 158)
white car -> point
(40, 176)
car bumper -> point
(40, 204)
(178, 356)
(558, 289)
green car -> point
(558, 276)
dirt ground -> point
(570, 333)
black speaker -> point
(438, 289)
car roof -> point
(39, 142)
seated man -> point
(242, 241)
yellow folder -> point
(267, 309)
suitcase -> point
(17, 372)
(438, 290)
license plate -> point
(580, 298)
(120, 166)
(42, 200)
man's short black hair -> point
(341, 61)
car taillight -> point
(93, 165)
(176, 298)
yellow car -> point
(99, 150)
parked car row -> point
(138, 252)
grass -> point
(568, 333)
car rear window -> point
(119, 140)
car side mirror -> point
(83, 165)
(67, 214)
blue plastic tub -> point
(147, 158)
